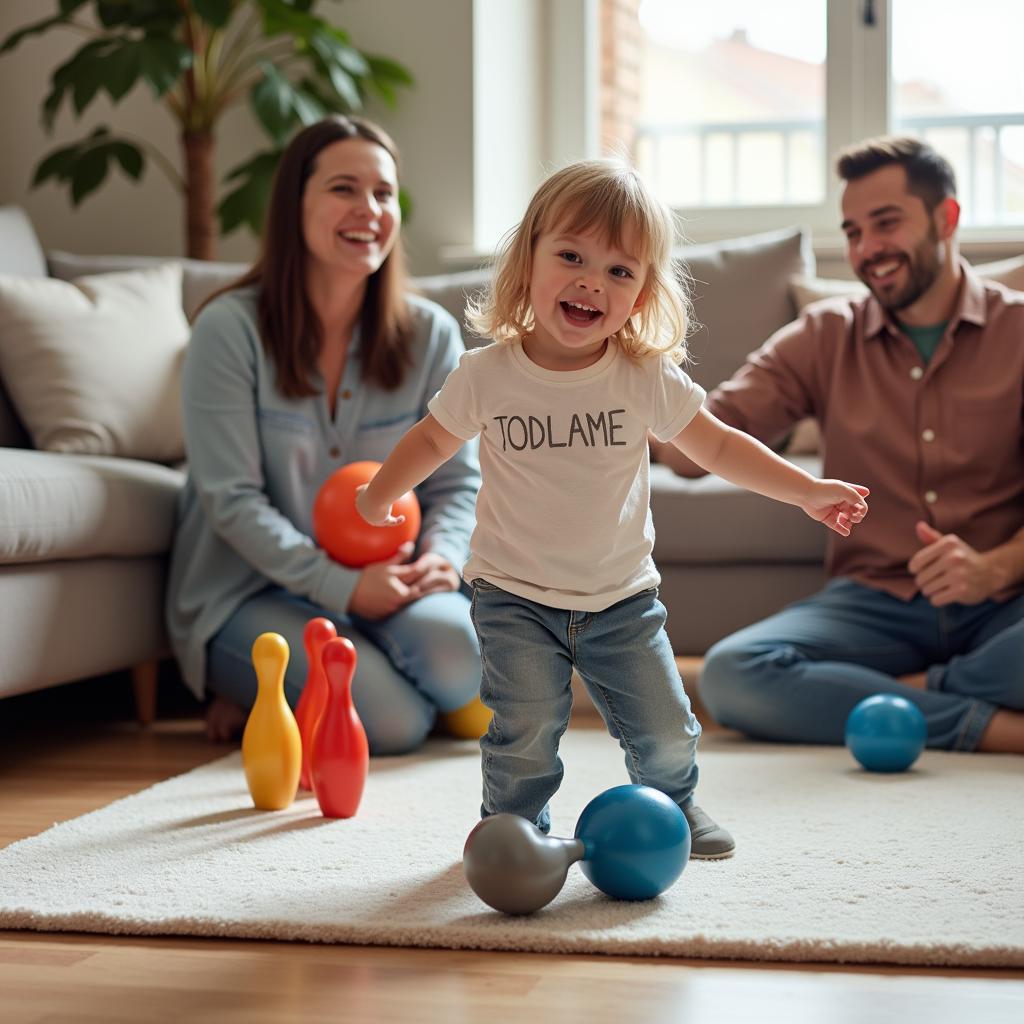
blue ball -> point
(886, 733)
(637, 842)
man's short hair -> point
(929, 175)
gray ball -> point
(513, 867)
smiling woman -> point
(322, 332)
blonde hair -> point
(610, 196)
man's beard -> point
(923, 267)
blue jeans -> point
(411, 664)
(625, 660)
(796, 676)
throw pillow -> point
(93, 366)
(741, 297)
(200, 277)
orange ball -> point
(343, 533)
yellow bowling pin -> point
(271, 744)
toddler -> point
(588, 319)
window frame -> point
(858, 105)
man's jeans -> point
(797, 675)
(625, 660)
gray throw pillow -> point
(741, 296)
(200, 277)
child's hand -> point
(836, 504)
(375, 515)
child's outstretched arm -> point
(743, 460)
(423, 448)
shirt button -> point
(931, 497)
(346, 394)
(335, 452)
(928, 434)
(916, 373)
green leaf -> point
(115, 63)
(122, 68)
(163, 61)
(255, 165)
(213, 12)
(31, 30)
(80, 65)
(347, 56)
(280, 17)
(50, 107)
(152, 15)
(307, 106)
(388, 70)
(386, 76)
(84, 164)
(247, 204)
(342, 82)
(129, 157)
(271, 99)
(87, 174)
(57, 165)
(405, 205)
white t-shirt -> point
(563, 514)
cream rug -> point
(833, 864)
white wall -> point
(433, 126)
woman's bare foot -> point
(224, 720)
(919, 680)
(1004, 733)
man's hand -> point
(429, 574)
(947, 570)
(381, 590)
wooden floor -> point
(68, 751)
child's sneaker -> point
(708, 841)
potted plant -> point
(199, 58)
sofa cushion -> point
(93, 366)
(20, 252)
(707, 520)
(453, 291)
(741, 297)
(82, 506)
(200, 278)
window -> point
(731, 105)
(967, 99)
(735, 109)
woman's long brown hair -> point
(289, 326)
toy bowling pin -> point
(314, 694)
(341, 755)
(271, 745)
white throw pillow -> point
(93, 366)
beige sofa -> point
(84, 538)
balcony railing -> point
(976, 147)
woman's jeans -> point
(797, 675)
(421, 659)
(625, 660)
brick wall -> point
(621, 54)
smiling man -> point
(918, 392)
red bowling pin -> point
(314, 694)
(341, 755)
